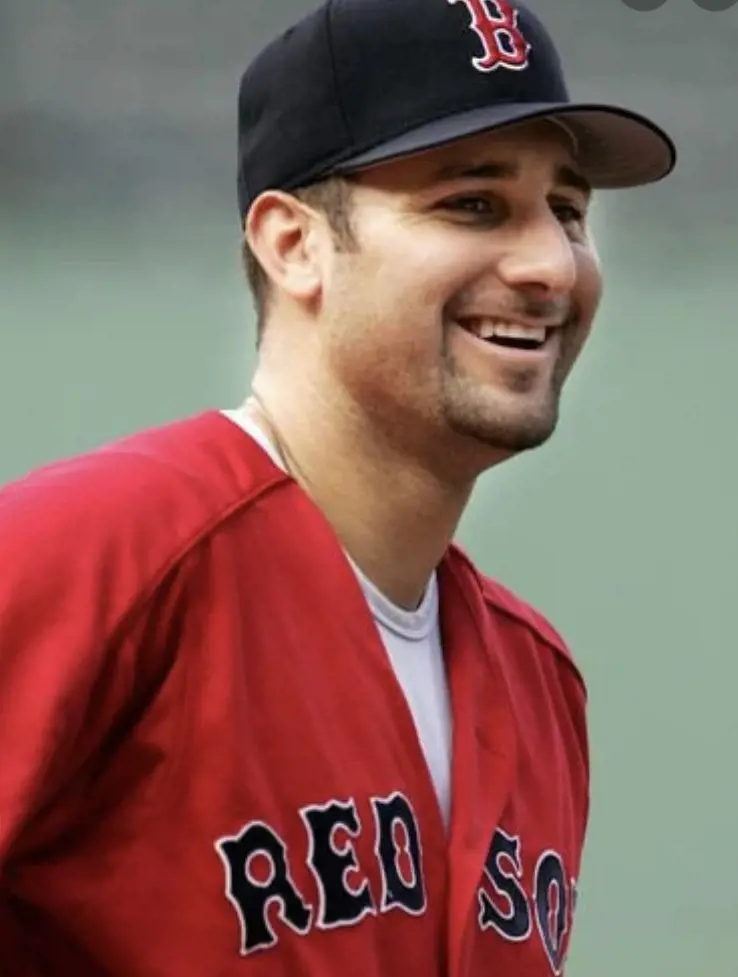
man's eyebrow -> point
(565, 176)
(482, 171)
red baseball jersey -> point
(208, 766)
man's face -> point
(458, 316)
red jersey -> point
(208, 766)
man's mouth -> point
(508, 335)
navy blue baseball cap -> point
(360, 82)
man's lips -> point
(510, 334)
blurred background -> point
(122, 305)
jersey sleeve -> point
(72, 593)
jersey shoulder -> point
(133, 506)
(503, 602)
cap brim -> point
(615, 148)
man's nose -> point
(540, 257)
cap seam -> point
(433, 116)
(335, 159)
(327, 165)
(329, 11)
(552, 108)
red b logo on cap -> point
(496, 24)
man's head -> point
(422, 244)
(450, 293)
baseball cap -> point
(359, 82)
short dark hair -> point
(332, 197)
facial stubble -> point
(488, 413)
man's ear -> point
(280, 231)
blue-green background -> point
(122, 306)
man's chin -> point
(509, 436)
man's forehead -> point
(501, 154)
(542, 138)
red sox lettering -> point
(509, 908)
(397, 848)
(512, 906)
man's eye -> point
(471, 205)
(565, 211)
(568, 213)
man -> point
(259, 715)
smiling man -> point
(259, 714)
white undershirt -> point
(412, 640)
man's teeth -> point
(495, 329)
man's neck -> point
(394, 519)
